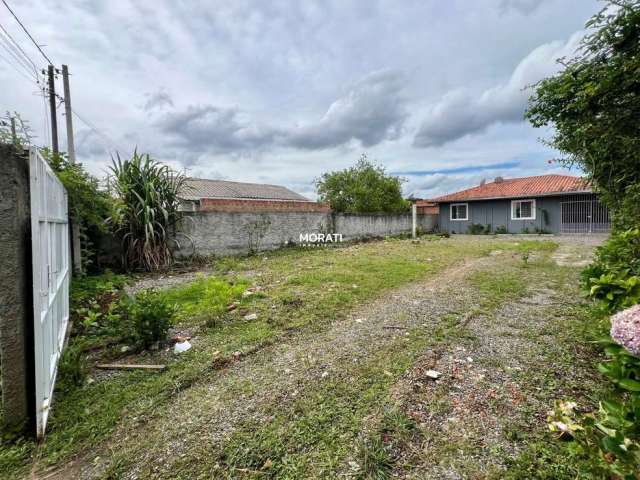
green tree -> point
(363, 188)
(89, 205)
(593, 104)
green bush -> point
(614, 276)
(501, 229)
(89, 205)
(147, 318)
(617, 290)
(94, 302)
(479, 229)
(72, 368)
(612, 433)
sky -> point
(282, 91)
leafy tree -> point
(147, 210)
(363, 188)
(89, 205)
(594, 106)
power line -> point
(15, 55)
(27, 32)
(108, 140)
(21, 61)
(17, 45)
(21, 72)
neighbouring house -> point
(426, 207)
(541, 204)
(199, 194)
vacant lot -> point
(333, 377)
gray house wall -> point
(498, 213)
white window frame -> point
(533, 209)
(458, 219)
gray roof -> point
(197, 188)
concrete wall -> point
(234, 232)
(362, 226)
(16, 307)
(229, 233)
(498, 213)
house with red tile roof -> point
(541, 204)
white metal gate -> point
(51, 276)
(584, 216)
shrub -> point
(621, 252)
(147, 211)
(614, 277)
(609, 436)
(89, 205)
(148, 318)
(616, 290)
(94, 301)
(478, 229)
(501, 229)
(72, 368)
(625, 330)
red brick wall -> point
(224, 205)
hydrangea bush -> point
(625, 329)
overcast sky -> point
(282, 91)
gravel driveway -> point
(484, 391)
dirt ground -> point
(494, 348)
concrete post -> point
(76, 247)
(16, 311)
(414, 220)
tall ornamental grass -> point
(147, 210)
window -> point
(523, 210)
(459, 211)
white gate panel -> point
(51, 277)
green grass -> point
(304, 289)
(205, 297)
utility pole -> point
(71, 151)
(52, 108)
(76, 245)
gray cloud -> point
(373, 110)
(463, 112)
(89, 144)
(217, 129)
(268, 91)
(521, 6)
(157, 100)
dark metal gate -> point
(584, 216)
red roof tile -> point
(520, 187)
